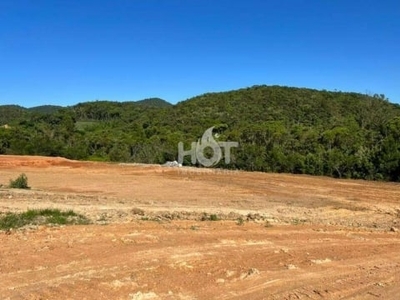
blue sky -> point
(65, 52)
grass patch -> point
(240, 221)
(41, 217)
(212, 217)
(297, 221)
(21, 182)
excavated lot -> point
(185, 233)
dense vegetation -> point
(279, 129)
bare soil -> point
(277, 236)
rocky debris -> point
(229, 273)
(234, 216)
(250, 273)
(321, 261)
(143, 296)
(380, 284)
(291, 267)
(172, 164)
(137, 211)
(255, 217)
(394, 229)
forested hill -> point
(155, 102)
(45, 109)
(279, 129)
(15, 113)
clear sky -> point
(65, 52)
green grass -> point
(212, 217)
(41, 217)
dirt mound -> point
(9, 161)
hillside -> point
(15, 113)
(154, 102)
(10, 113)
(45, 109)
(279, 129)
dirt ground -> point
(277, 236)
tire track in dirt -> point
(216, 259)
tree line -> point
(279, 129)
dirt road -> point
(277, 236)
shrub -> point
(20, 183)
(240, 221)
(212, 217)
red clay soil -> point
(278, 236)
